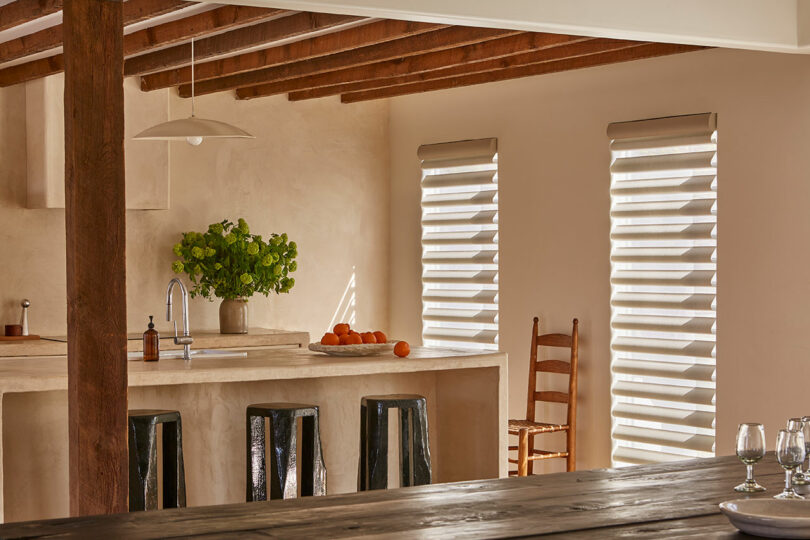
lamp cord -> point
(192, 77)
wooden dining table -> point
(676, 500)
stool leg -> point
(313, 470)
(421, 446)
(256, 480)
(174, 476)
(377, 448)
(143, 466)
(362, 473)
(283, 481)
(405, 446)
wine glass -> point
(798, 424)
(750, 449)
(790, 454)
(806, 431)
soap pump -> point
(151, 343)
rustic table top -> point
(673, 501)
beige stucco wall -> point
(316, 170)
(554, 218)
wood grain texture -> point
(468, 54)
(134, 11)
(96, 270)
(649, 50)
(51, 38)
(23, 11)
(588, 504)
(432, 41)
(337, 42)
(294, 25)
(570, 50)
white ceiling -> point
(768, 25)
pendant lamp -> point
(194, 130)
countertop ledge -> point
(203, 339)
(45, 373)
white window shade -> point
(460, 244)
(663, 288)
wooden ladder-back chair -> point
(527, 429)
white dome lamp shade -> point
(194, 130)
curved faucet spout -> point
(186, 340)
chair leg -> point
(256, 481)
(530, 463)
(523, 452)
(571, 447)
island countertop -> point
(39, 374)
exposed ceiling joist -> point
(647, 50)
(488, 50)
(432, 41)
(337, 42)
(23, 11)
(298, 24)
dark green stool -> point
(414, 455)
(283, 428)
(143, 462)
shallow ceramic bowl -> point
(366, 349)
(769, 517)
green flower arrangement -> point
(228, 262)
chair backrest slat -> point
(553, 397)
(554, 340)
(554, 366)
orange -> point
(380, 337)
(341, 329)
(402, 349)
(344, 339)
(354, 339)
(354, 332)
(330, 339)
(368, 337)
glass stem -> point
(788, 478)
(749, 477)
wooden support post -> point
(96, 279)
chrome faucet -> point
(185, 340)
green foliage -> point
(227, 261)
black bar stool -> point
(283, 482)
(143, 462)
(414, 455)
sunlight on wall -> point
(345, 312)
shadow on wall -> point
(345, 311)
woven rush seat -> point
(515, 426)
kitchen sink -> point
(195, 353)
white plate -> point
(366, 349)
(769, 517)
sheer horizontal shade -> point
(460, 243)
(664, 282)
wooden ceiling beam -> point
(570, 50)
(294, 25)
(432, 41)
(51, 38)
(336, 42)
(647, 50)
(156, 36)
(23, 11)
(468, 54)
(216, 20)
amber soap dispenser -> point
(151, 343)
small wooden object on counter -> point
(14, 330)
(151, 343)
(528, 428)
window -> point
(460, 244)
(663, 288)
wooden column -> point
(96, 279)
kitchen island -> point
(673, 500)
(465, 391)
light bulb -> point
(194, 141)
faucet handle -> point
(175, 329)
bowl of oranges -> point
(344, 341)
